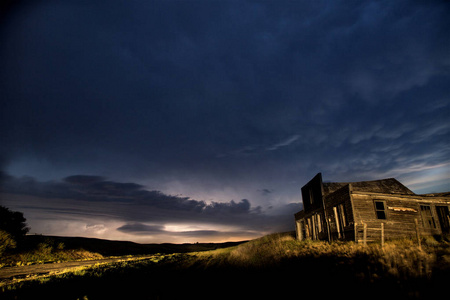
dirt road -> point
(10, 273)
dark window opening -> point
(427, 216)
(444, 218)
(380, 210)
(311, 196)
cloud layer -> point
(218, 100)
(141, 212)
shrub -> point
(13, 222)
(6, 242)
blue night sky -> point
(184, 121)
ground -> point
(277, 265)
(10, 274)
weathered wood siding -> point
(339, 214)
(401, 212)
(343, 210)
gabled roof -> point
(385, 186)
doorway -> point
(444, 218)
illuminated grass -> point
(47, 252)
(273, 262)
(400, 258)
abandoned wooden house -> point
(369, 211)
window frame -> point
(377, 210)
(427, 215)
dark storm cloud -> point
(180, 82)
(138, 228)
(222, 98)
(142, 229)
(265, 191)
(83, 179)
(129, 202)
(95, 188)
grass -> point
(276, 264)
(37, 249)
(399, 269)
(46, 252)
(398, 258)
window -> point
(311, 196)
(427, 216)
(380, 210)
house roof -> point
(386, 186)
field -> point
(272, 266)
(38, 249)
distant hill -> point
(444, 194)
(113, 248)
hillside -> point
(276, 265)
(38, 249)
(113, 248)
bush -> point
(6, 242)
(13, 222)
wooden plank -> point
(337, 222)
(365, 234)
(417, 233)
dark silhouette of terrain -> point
(117, 248)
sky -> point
(200, 121)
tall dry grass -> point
(276, 265)
(44, 253)
(401, 259)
